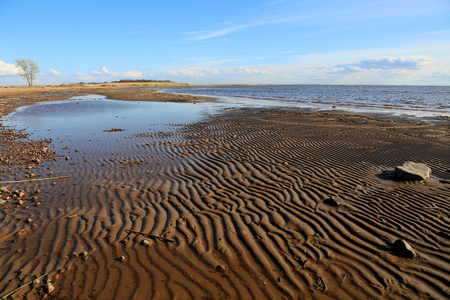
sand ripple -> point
(242, 197)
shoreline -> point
(236, 207)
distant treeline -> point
(139, 80)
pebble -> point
(84, 255)
(221, 268)
(49, 288)
(145, 243)
(334, 201)
(121, 258)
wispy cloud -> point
(381, 63)
(204, 35)
(54, 72)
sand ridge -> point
(243, 195)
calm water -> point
(419, 101)
(86, 116)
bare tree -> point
(28, 68)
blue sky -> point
(225, 42)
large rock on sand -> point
(403, 249)
(412, 171)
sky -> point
(401, 42)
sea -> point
(406, 101)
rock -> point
(412, 171)
(49, 288)
(21, 202)
(145, 243)
(121, 258)
(4, 189)
(221, 268)
(84, 255)
(403, 249)
(334, 201)
(3, 203)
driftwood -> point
(151, 236)
(36, 179)
(4, 297)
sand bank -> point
(235, 207)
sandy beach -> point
(248, 204)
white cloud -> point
(131, 74)
(7, 69)
(247, 70)
(54, 72)
(185, 73)
(382, 63)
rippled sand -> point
(235, 209)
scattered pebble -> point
(121, 258)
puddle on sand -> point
(87, 115)
(83, 123)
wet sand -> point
(234, 207)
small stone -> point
(221, 268)
(412, 171)
(28, 220)
(121, 258)
(403, 249)
(67, 158)
(145, 243)
(49, 288)
(4, 189)
(84, 255)
(333, 201)
(21, 202)
(2, 202)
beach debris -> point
(162, 239)
(412, 171)
(403, 249)
(145, 243)
(320, 284)
(334, 201)
(221, 268)
(34, 282)
(36, 179)
(113, 130)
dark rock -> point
(403, 249)
(412, 171)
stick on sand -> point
(36, 179)
(151, 236)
